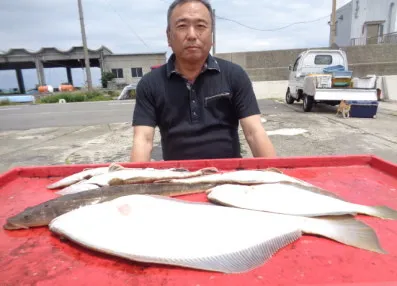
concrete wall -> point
(270, 89)
(389, 87)
(126, 62)
(273, 65)
(277, 89)
(344, 24)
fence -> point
(384, 39)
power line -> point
(275, 29)
(265, 30)
(127, 24)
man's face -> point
(190, 31)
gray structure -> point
(363, 22)
(273, 65)
(103, 58)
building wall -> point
(126, 62)
(344, 25)
(371, 10)
(273, 65)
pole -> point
(87, 61)
(333, 23)
(213, 34)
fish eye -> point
(25, 216)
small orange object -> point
(43, 88)
(66, 87)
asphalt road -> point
(23, 117)
(99, 132)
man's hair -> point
(180, 2)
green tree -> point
(106, 76)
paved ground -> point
(101, 132)
(24, 117)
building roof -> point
(44, 50)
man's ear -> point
(168, 37)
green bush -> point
(75, 97)
(106, 76)
(4, 102)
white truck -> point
(310, 81)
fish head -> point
(30, 217)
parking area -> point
(109, 139)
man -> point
(196, 100)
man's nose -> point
(191, 33)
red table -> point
(37, 257)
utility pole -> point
(333, 23)
(87, 61)
(213, 34)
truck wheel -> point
(288, 98)
(307, 103)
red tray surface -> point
(37, 257)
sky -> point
(135, 26)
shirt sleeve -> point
(144, 111)
(244, 98)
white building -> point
(362, 22)
(129, 68)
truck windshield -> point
(323, 60)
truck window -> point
(323, 60)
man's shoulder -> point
(228, 66)
(154, 76)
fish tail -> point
(113, 167)
(383, 212)
(345, 229)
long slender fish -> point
(83, 175)
(127, 176)
(77, 188)
(291, 199)
(202, 236)
(246, 177)
(43, 213)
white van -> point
(310, 81)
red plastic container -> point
(37, 257)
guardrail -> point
(384, 39)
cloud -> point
(134, 26)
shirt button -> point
(193, 101)
(194, 113)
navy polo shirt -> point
(196, 120)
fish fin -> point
(233, 262)
(162, 181)
(116, 182)
(383, 212)
(113, 167)
(276, 170)
(179, 170)
(313, 189)
(209, 170)
(347, 230)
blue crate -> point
(363, 108)
(338, 71)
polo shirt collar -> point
(210, 64)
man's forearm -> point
(260, 145)
(141, 151)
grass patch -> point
(4, 102)
(77, 96)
